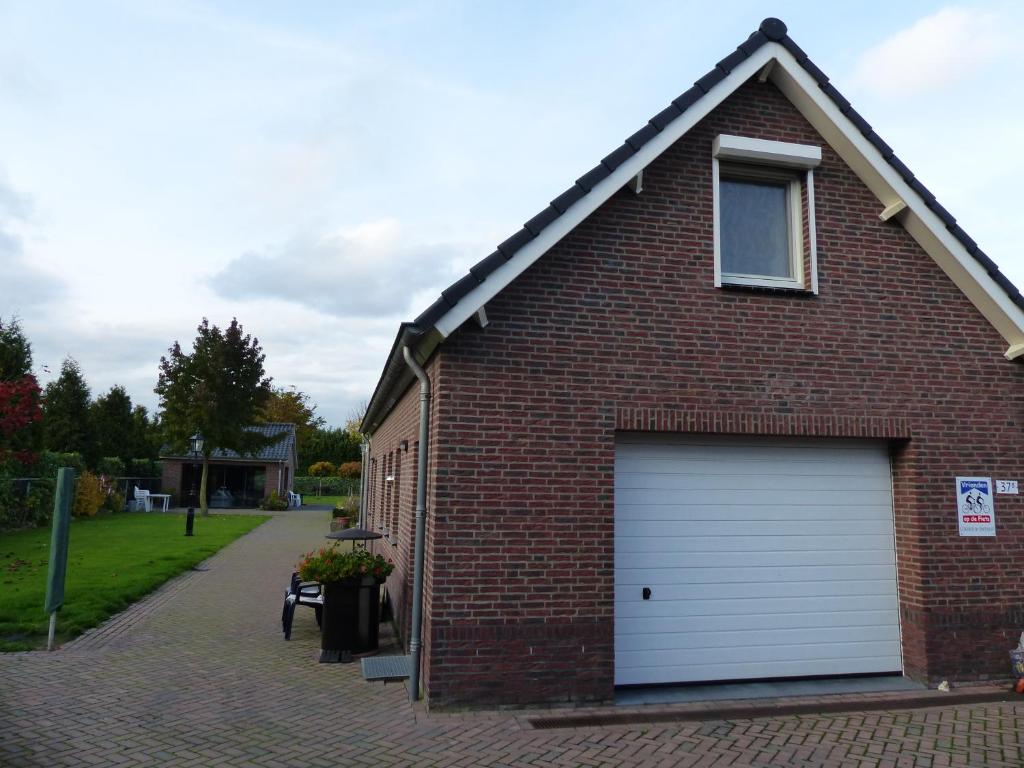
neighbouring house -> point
(730, 407)
(246, 478)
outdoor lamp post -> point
(195, 450)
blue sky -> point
(321, 170)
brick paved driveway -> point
(198, 675)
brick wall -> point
(619, 327)
(391, 505)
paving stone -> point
(198, 675)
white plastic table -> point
(163, 497)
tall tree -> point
(336, 445)
(217, 389)
(20, 412)
(145, 440)
(112, 423)
(67, 426)
(292, 407)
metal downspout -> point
(364, 447)
(415, 641)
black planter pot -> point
(351, 619)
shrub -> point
(273, 503)
(321, 469)
(111, 466)
(350, 470)
(348, 508)
(90, 495)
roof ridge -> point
(773, 30)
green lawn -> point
(112, 562)
(309, 498)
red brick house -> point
(236, 480)
(705, 417)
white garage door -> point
(763, 558)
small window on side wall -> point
(759, 192)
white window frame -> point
(752, 159)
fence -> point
(26, 501)
(326, 486)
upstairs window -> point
(760, 228)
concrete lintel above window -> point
(778, 153)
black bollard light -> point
(190, 520)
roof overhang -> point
(899, 194)
(839, 131)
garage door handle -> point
(647, 593)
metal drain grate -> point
(386, 667)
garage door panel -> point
(667, 625)
(745, 638)
(662, 543)
(732, 591)
(751, 450)
(763, 651)
(638, 608)
(675, 558)
(752, 670)
(763, 529)
(731, 496)
(779, 548)
(743, 512)
(777, 481)
(651, 577)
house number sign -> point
(1006, 486)
(975, 509)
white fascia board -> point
(883, 180)
(775, 153)
(602, 191)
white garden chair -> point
(143, 498)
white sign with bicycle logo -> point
(976, 512)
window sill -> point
(776, 290)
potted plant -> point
(351, 588)
(345, 512)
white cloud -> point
(367, 271)
(934, 53)
(22, 284)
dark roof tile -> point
(455, 292)
(840, 101)
(431, 314)
(514, 243)
(1006, 285)
(968, 242)
(642, 136)
(666, 116)
(486, 266)
(862, 125)
(922, 190)
(542, 219)
(880, 145)
(900, 168)
(710, 80)
(942, 213)
(734, 59)
(773, 28)
(567, 198)
(814, 71)
(989, 265)
(281, 450)
(592, 177)
(688, 98)
(753, 42)
(790, 45)
(621, 154)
